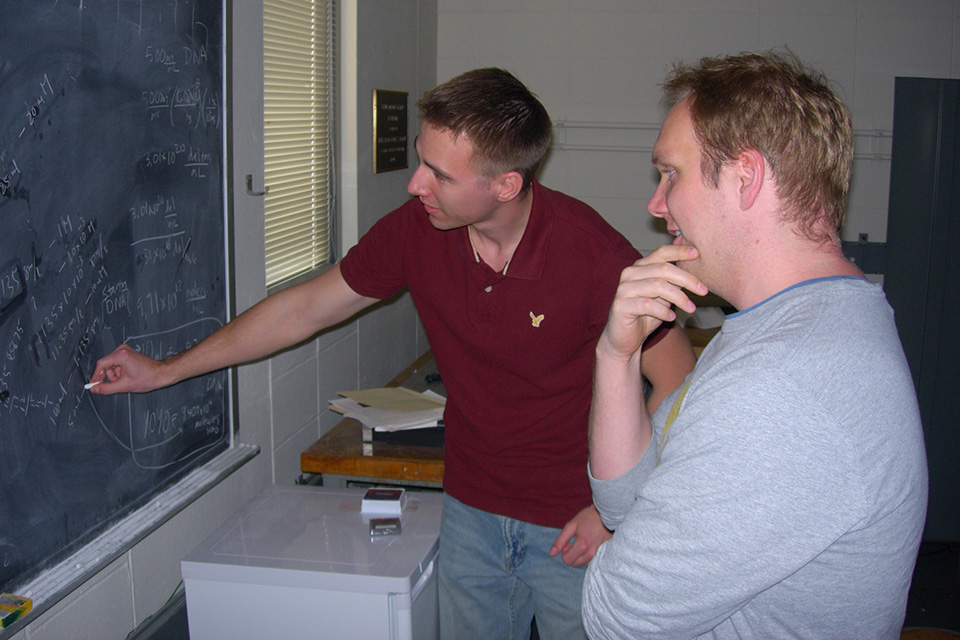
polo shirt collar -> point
(528, 259)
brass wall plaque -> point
(389, 130)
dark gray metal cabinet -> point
(922, 275)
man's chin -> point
(693, 267)
(441, 224)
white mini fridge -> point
(299, 562)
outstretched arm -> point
(619, 419)
(279, 321)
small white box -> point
(384, 501)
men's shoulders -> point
(839, 322)
(576, 217)
(410, 212)
(374, 266)
(405, 224)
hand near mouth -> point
(645, 298)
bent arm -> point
(279, 321)
(735, 497)
(666, 364)
(620, 428)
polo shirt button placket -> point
(487, 299)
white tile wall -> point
(99, 609)
(294, 430)
(155, 580)
(294, 391)
(335, 379)
(603, 61)
(388, 344)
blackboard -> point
(112, 230)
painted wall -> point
(397, 51)
(597, 65)
(283, 400)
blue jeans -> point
(495, 574)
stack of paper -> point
(391, 408)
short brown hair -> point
(772, 103)
(507, 125)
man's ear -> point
(510, 185)
(751, 169)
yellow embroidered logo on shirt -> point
(536, 319)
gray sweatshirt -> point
(790, 496)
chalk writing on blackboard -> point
(112, 211)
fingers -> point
(658, 279)
(563, 540)
(106, 381)
(113, 372)
(112, 381)
(578, 554)
(659, 268)
(654, 289)
(574, 551)
(670, 253)
(580, 538)
(648, 292)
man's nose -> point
(657, 206)
(416, 185)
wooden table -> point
(341, 453)
(341, 456)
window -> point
(298, 110)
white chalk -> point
(91, 385)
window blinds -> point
(299, 98)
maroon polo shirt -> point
(515, 351)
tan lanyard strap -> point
(674, 411)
